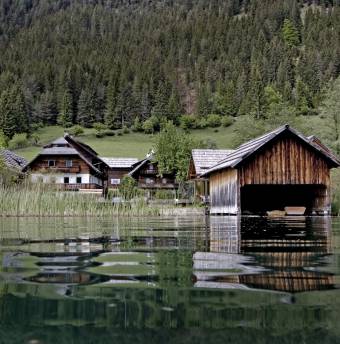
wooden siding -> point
(78, 165)
(285, 161)
(224, 192)
(116, 174)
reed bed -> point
(39, 200)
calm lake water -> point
(173, 280)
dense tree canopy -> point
(109, 61)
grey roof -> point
(59, 151)
(119, 162)
(250, 147)
(53, 150)
(206, 158)
(12, 160)
(59, 141)
(137, 166)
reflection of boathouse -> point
(280, 255)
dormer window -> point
(51, 163)
(68, 163)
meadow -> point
(135, 145)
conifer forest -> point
(130, 62)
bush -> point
(151, 125)
(202, 123)
(188, 122)
(109, 132)
(3, 140)
(18, 141)
(119, 132)
(125, 130)
(76, 130)
(99, 126)
(227, 121)
(128, 187)
(213, 120)
(100, 134)
(137, 125)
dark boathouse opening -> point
(258, 199)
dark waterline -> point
(170, 280)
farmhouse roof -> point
(119, 162)
(12, 160)
(66, 146)
(248, 148)
(206, 158)
(138, 165)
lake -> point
(170, 280)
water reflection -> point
(159, 278)
(286, 254)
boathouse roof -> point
(249, 148)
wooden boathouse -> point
(282, 168)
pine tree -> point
(86, 108)
(7, 115)
(66, 110)
(111, 102)
(290, 34)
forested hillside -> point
(112, 61)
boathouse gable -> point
(280, 169)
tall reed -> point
(28, 199)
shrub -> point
(99, 126)
(137, 125)
(100, 134)
(213, 120)
(76, 130)
(128, 187)
(125, 130)
(119, 132)
(18, 141)
(151, 125)
(35, 138)
(227, 121)
(202, 123)
(109, 132)
(188, 122)
(3, 140)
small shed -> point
(281, 168)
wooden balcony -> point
(64, 169)
(77, 187)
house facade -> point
(280, 169)
(148, 177)
(117, 168)
(69, 164)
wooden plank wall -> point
(224, 192)
(286, 161)
(78, 165)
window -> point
(164, 180)
(115, 181)
(78, 180)
(66, 180)
(51, 163)
(68, 163)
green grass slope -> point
(127, 145)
